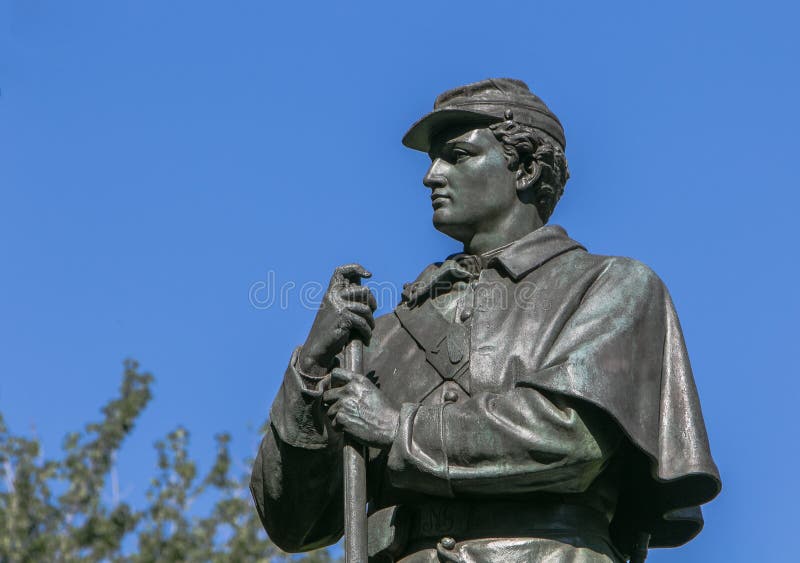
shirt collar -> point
(534, 249)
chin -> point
(441, 219)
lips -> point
(438, 199)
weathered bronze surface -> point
(526, 401)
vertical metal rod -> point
(640, 547)
(355, 478)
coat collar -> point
(518, 259)
(534, 249)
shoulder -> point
(600, 267)
(616, 274)
(622, 267)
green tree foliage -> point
(53, 510)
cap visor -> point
(420, 135)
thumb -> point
(341, 376)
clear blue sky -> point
(158, 158)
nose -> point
(434, 177)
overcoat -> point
(547, 409)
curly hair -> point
(522, 145)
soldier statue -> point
(525, 401)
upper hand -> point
(345, 312)
(359, 408)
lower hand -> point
(359, 408)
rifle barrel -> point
(355, 478)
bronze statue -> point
(526, 400)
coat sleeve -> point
(521, 441)
(297, 476)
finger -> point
(351, 273)
(334, 410)
(341, 376)
(360, 294)
(359, 325)
(333, 395)
(363, 311)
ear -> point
(527, 174)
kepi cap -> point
(484, 103)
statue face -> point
(472, 188)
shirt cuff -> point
(296, 413)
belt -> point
(473, 520)
(394, 530)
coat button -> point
(450, 396)
(465, 315)
(448, 542)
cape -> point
(648, 388)
(623, 350)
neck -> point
(511, 228)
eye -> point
(460, 155)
